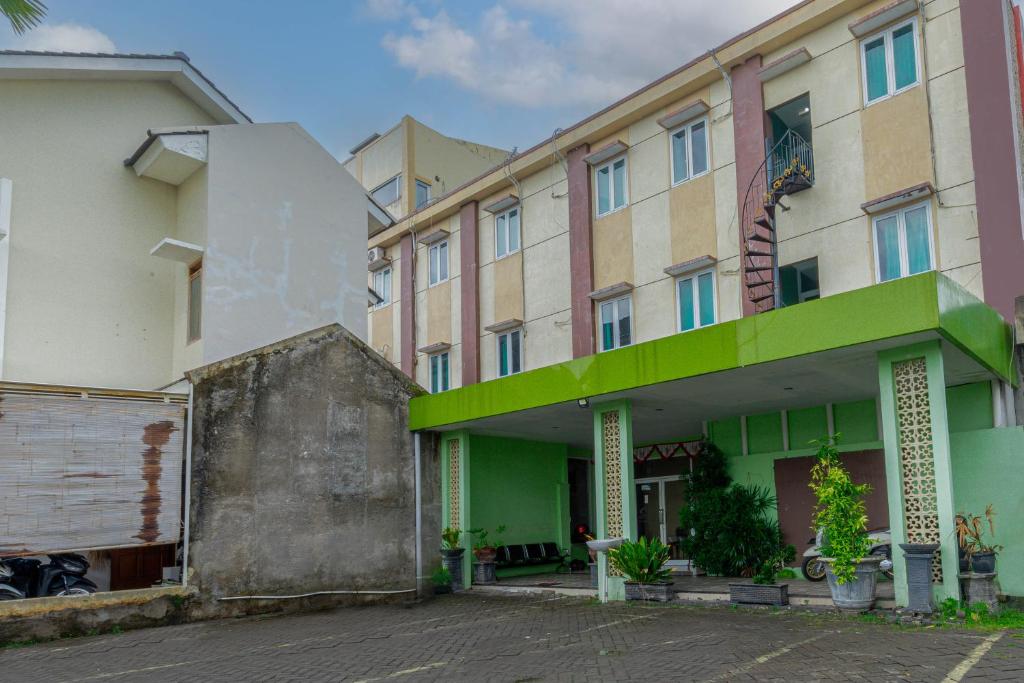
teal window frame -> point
(508, 232)
(904, 257)
(887, 38)
(683, 137)
(611, 188)
(611, 338)
(510, 360)
(691, 283)
(440, 372)
(437, 256)
(382, 286)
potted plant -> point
(643, 564)
(485, 550)
(442, 580)
(764, 590)
(970, 533)
(851, 570)
(451, 556)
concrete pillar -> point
(455, 492)
(918, 473)
(615, 492)
(581, 252)
(408, 303)
(749, 135)
(469, 283)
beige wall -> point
(193, 198)
(86, 302)
(860, 153)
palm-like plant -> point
(23, 14)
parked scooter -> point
(64, 575)
(881, 544)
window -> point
(889, 61)
(510, 353)
(389, 192)
(616, 323)
(382, 285)
(439, 372)
(696, 300)
(689, 151)
(903, 242)
(506, 233)
(612, 193)
(438, 262)
(195, 301)
(799, 282)
(422, 193)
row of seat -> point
(529, 553)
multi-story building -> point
(148, 227)
(411, 163)
(789, 236)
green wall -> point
(521, 484)
(988, 467)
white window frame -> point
(890, 62)
(901, 226)
(505, 214)
(611, 185)
(696, 299)
(689, 150)
(435, 248)
(384, 300)
(497, 351)
(398, 181)
(615, 337)
(419, 184)
(436, 357)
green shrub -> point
(441, 577)
(731, 529)
(641, 561)
(840, 511)
(450, 538)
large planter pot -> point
(919, 575)
(485, 554)
(452, 561)
(483, 573)
(983, 563)
(759, 594)
(857, 594)
(654, 592)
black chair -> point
(501, 556)
(535, 553)
(516, 554)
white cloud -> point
(602, 49)
(64, 38)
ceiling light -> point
(804, 112)
(583, 403)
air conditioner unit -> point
(376, 258)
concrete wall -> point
(303, 472)
(86, 303)
(285, 247)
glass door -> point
(673, 500)
(658, 501)
(648, 509)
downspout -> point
(928, 100)
(419, 510)
(188, 490)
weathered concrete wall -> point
(303, 473)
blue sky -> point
(501, 73)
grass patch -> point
(15, 644)
(980, 617)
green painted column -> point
(455, 493)
(918, 472)
(615, 492)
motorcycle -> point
(64, 576)
(881, 544)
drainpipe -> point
(419, 510)
(188, 489)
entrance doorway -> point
(658, 502)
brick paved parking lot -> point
(526, 638)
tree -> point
(23, 14)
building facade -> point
(410, 164)
(149, 227)
(783, 239)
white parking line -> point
(404, 672)
(961, 669)
(766, 658)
